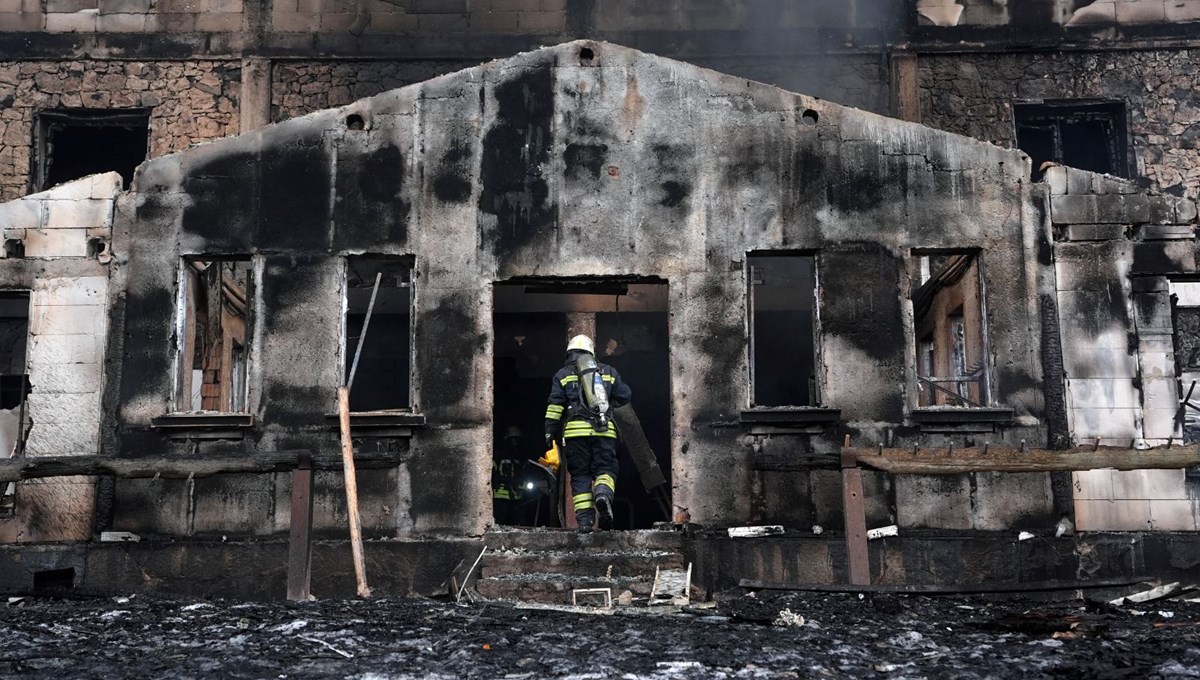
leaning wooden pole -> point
(356, 545)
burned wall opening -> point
(382, 344)
(533, 322)
(783, 317)
(75, 143)
(1086, 135)
(14, 382)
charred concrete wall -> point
(63, 263)
(581, 160)
(1118, 252)
(973, 94)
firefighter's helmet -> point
(582, 343)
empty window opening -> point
(214, 327)
(381, 382)
(948, 315)
(783, 321)
(533, 321)
(1185, 313)
(1088, 136)
(74, 143)
(14, 382)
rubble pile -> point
(760, 635)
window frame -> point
(816, 384)
(918, 264)
(346, 352)
(179, 331)
(1116, 111)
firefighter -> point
(579, 413)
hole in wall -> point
(809, 117)
(355, 122)
(586, 55)
(14, 247)
(54, 579)
(96, 247)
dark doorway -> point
(74, 143)
(533, 320)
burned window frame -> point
(921, 286)
(46, 120)
(1052, 114)
(1186, 362)
(181, 400)
(347, 346)
(815, 383)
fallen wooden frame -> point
(988, 458)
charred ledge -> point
(953, 416)
(204, 425)
(798, 416)
(380, 423)
(789, 420)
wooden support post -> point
(356, 546)
(300, 533)
(855, 514)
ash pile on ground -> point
(762, 635)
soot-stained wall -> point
(585, 159)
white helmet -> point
(582, 343)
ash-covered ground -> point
(766, 635)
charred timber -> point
(1007, 459)
(16, 469)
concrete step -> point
(541, 538)
(556, 588)
(580, 563)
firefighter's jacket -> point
(568, 412)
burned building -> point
(774, 274)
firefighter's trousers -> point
(592, 462)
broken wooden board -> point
(1009, 459)
(755, 532)
(1163, 592)
(639, 447)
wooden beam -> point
(1009, 459)
(854, 515)
(299, 575)
(356, 543)
(16, 469)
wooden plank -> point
(1009, 459)
(854, 513)
(15, 469)
(906, 87)
(299, 576)
(356, 546)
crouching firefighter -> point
(579, 412)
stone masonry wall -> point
(189, 102)
(972, 94)
(299, 88)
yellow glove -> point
(550, 460)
